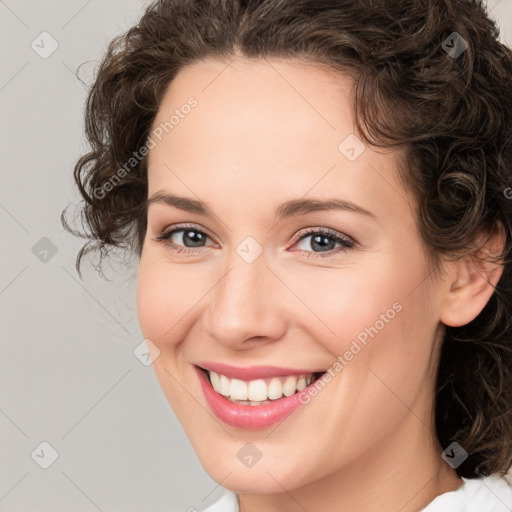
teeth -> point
(301, 384)
(275, 389)
(238, 389)
(215, 380)
(223, 385)
(290, 385)
(257, 392)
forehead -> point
(259, 100)
(293, 82)
(269, 125)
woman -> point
(319, 194)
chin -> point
(262, 477)
(250, 481)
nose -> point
(246, 305)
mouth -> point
(257, 403)
(260, 391)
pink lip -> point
(247, 416)
(254, 372)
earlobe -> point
(472, 283)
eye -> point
(188, 239)
(188, 235)
(324, 240)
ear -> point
(472, 280)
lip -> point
(247, 416)
(254, 372)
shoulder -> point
(226, 503)
(486, 494)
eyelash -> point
(329, 233)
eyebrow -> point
(287, 209)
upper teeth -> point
(260, 389)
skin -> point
(265, 132)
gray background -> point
(68, 375)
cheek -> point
(166, 295)
(165, 299)
(149, 300)
(345, 305)
(378, 325)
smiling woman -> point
(324, 242)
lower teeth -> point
(248, 402)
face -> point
(247, 282)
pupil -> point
(321, 242)
(194, 235)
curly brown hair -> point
(430, 77)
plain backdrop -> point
(74, 397)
